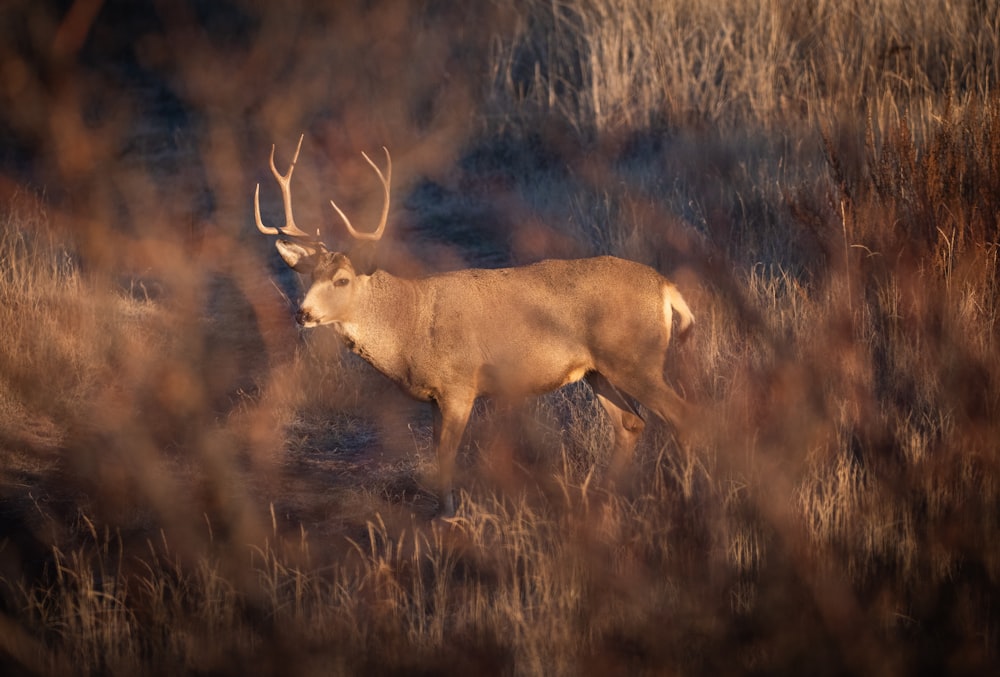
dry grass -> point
(188, 486)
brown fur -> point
(508, 332)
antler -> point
(285, 182)
(377, 235)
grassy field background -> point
(188, 485)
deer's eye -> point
(341, 282)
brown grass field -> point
(189, 485)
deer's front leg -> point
(450, 418)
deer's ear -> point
(300, 258)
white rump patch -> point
(668, 310)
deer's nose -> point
(302, 316)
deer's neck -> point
(383, 319)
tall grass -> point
(606, 66)
(188, 486)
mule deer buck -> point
(450, 338)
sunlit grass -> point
(189, 485)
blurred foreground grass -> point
(189, 486)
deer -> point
(450, 338)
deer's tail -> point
(685, 319)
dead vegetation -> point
(188, 486)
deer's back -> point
(546, 323)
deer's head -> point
(332, 277)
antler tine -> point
(386, 181)
(267, 230)
(285, 182)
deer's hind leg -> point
(625, 420)
(653, 391)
